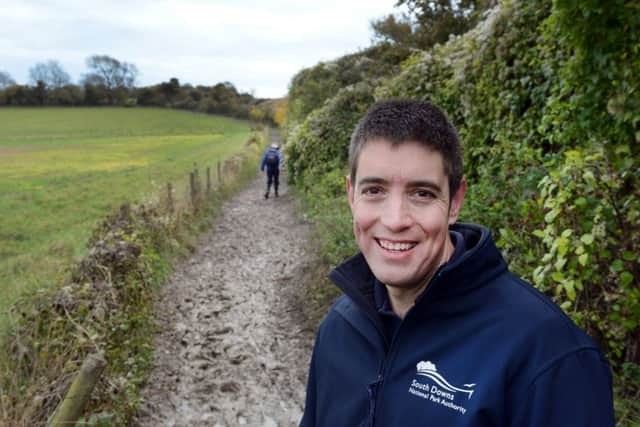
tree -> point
(40, 92)
(394, 29)
(69, 95)
(19, 95)
(147, 96)
(6, 80)
(113, 77)
(170, 89)
(110, 72)
(257, 114)
(430, 21)
(50, 73)
(96, 94)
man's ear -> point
(456, 201)
(350, 191)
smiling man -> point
(433, 329)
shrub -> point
(321, 143)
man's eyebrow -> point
(425, 183)
(371, 180)
(412, 184)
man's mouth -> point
(395, 246)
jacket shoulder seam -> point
(560, 358)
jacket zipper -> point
(376, 388)
(372, 389)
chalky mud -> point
(234, 347)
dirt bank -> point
(233, 347)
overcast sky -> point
(256, 45)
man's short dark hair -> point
(406, 120)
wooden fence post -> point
(192, 188)
(71, 407)
(196, 178)
(208, 180)
(170, 197)
(219, 173)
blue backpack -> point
(272, 160)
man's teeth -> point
(395, 246)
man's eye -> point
(424, 194)
(371, 191)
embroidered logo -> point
(438, 389)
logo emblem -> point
(428, 369)
(438, 390)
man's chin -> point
(401, 285)
(397, 282)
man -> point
(433, 330)
(271, 161)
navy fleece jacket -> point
(480, 347)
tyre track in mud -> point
(234, 345)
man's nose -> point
(396, 215)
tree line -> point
(110, 82)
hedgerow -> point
(317, 145)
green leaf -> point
(617, 266)
(623, 149)
(571, 292)
(628, 256)
(583, 259)
(626, 278)
(538, 233)
(551, 215)
(538, 275)
(587, 239)
(557, 276)
(563, 245)
(572, 154)
(580, 202)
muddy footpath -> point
(233, 346)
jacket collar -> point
(480, 262)
(355, 279)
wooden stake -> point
(74, 402)
(192, 187)
(170, 197)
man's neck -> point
(402, 300)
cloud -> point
(254, 44)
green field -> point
(63, 170)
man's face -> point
(401, 210)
